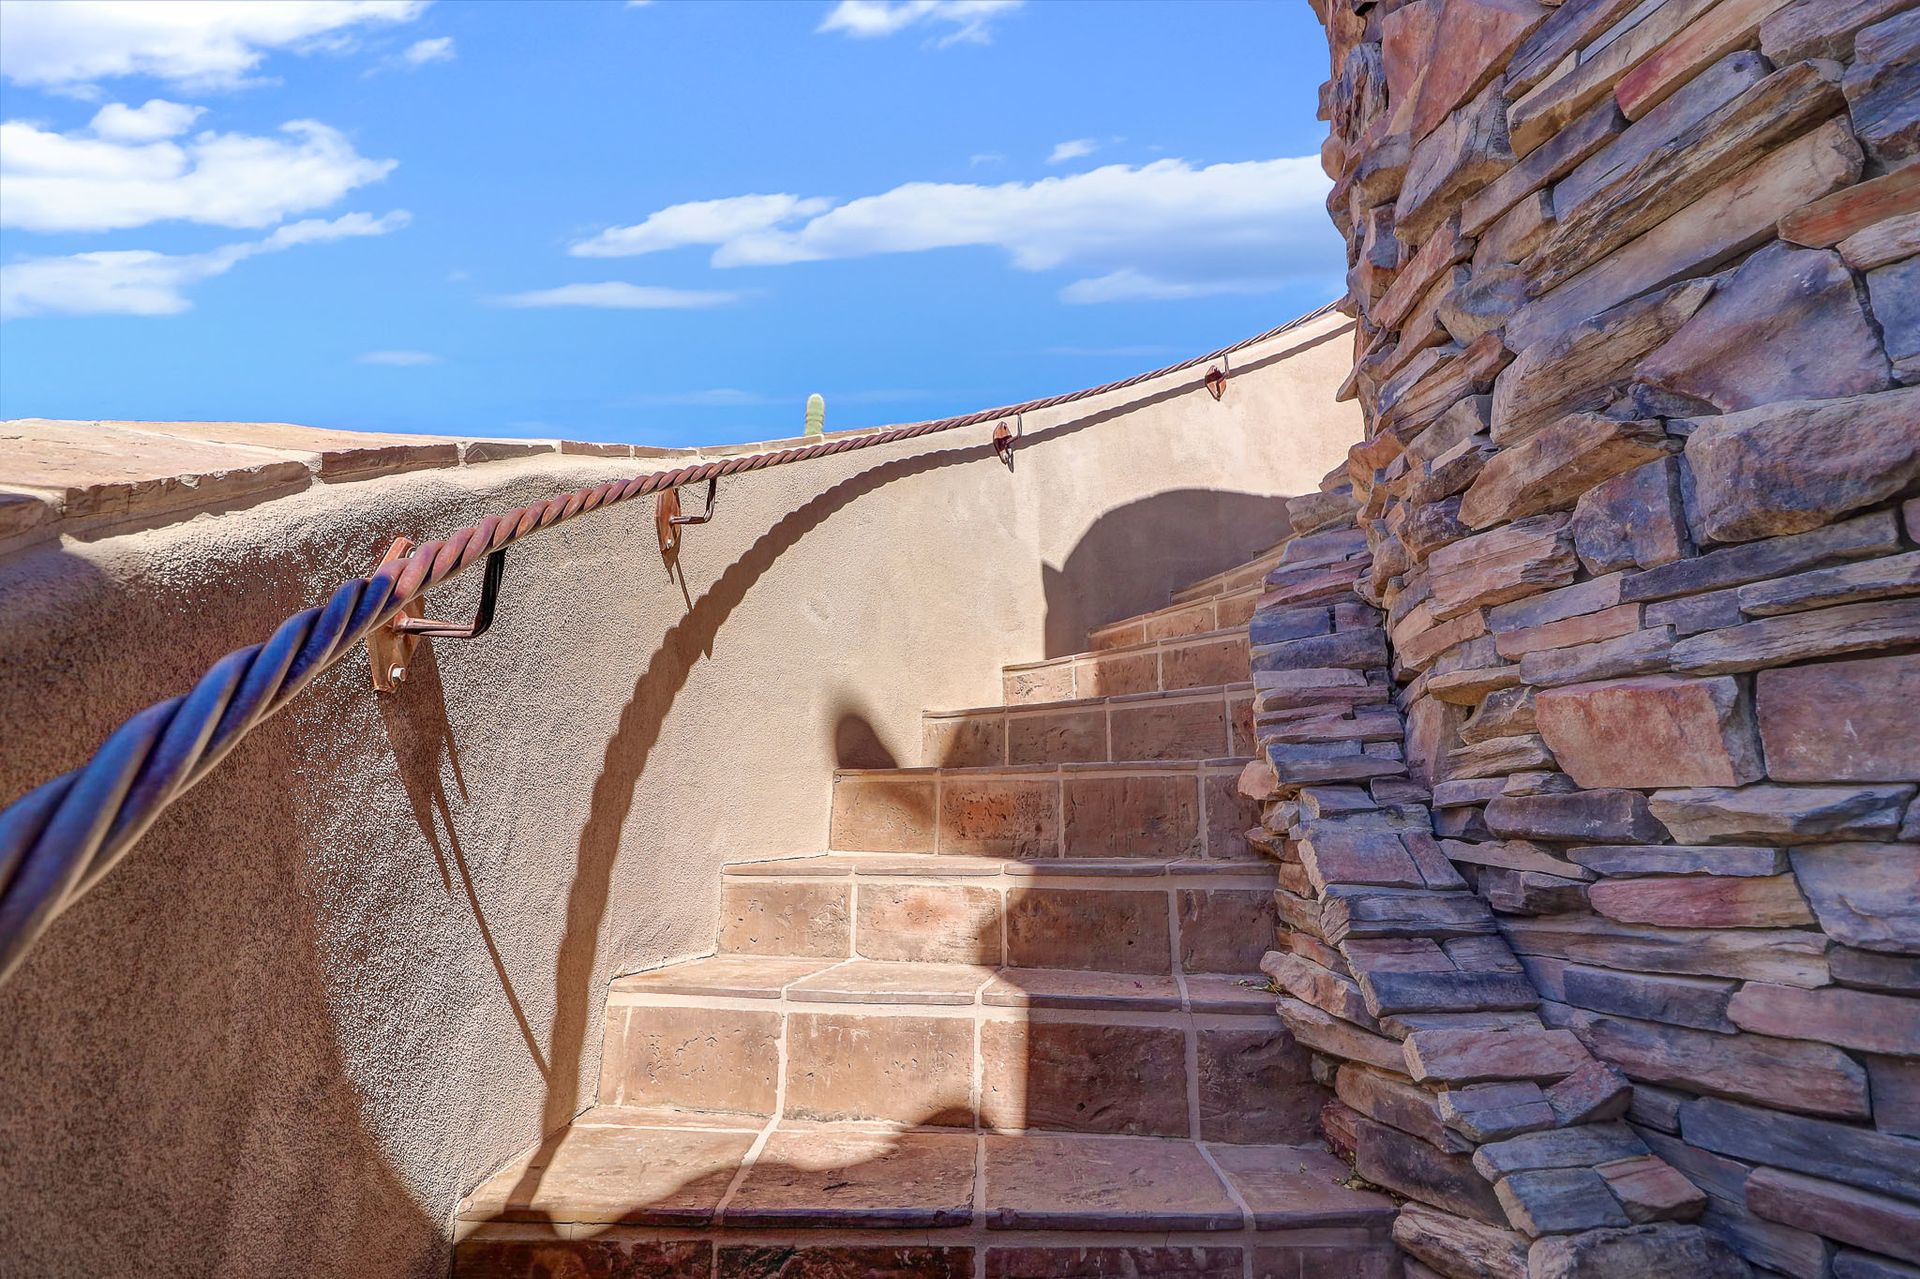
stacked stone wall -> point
(1634, 734)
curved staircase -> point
(1009, 1024)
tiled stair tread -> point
(615, 1173)
(960, 865)
(1251, 573)
(1050, 770)
(1118, 650)
(1199, 692)
(1196, 604)
(891, 982)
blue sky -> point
(664, 222)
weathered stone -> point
(1888, 240)
(1514, 854)
(1894, 291)
(1558, 1201)
(1774, 641)
(1848, 1264)
(1865, 895)
(1635, 1252)
(1791, 957)
(1702, 902)
(1789, 324)
(1820, 28)
(1632, 520)
(1326, 1033)
(1896, 575)
(1587, 628)
(1860, 537)
(1277, 625)
(1411, 1167)
(1710, 815)
(1584, 817)
(1471, 1056)
(1699, 1002)
(1350, 650)
(1636, 653)
(1726, 27)
(1440, 250)
(1692, 614)
(1850, 721)
(1650, 731)
(1588, 366)
(1544, 165)
(1736, 216)
(1498, 756)
(1536, 115)
(1596, 1093)
(1883, 89)
(1870, 970)
(1895, 1084)
(1396, 1100)
(1504, 564)
(1880, 1162)
(1833, 218)
(1457, 1247)
(1384, 912)
(1845, 1213)
(1492, 29)
(1465, 152)
(1572, 27)
(1789, 1074)
(1526, 892)
(1846, 1018)
(1679, 859)
(1651, 1189)
(1458, 375)
(1325, 989)
(1577, 1147)
(1639, 197)
(1556, 463)
(1795, 465)
(1481, 303)
(1704, 94)
(1490, 1112)
(1390, 993)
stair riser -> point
(1243, 578)
(1219, 929)
(1162, 667)
(1210, 614)
(1208, 727)
(1215, 1077)
(1169, 813)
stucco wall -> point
(364, 962)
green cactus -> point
(816, 415)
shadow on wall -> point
(1148, 546)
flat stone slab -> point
(827, 1177)
(615, 1175)
(1103, 1183)
(102, 470)
(1074, 988)
(1286, 1186)
(740, 976)
(871, 981)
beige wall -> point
(364, 962)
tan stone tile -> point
(1224, 930)
(916, 1070)
(939, 865)
(1228, 993)
(1229, 816)
(828, 1177)
(1001, 817)
(1049, 682)
(1132, 816)
(614, 1175)
(742, 976)
(1298, 1187)
(1056, 737)
(883, 812)
(864, 981)
(584, 1258)
(930, 923)
(785, 917)
(1115, 930)
(1240, 721)
(828, 867)
(963, 741)
(1189, 619)
(1256, 1085)
(1221, 661)
(97, 469)
(1162, 729)
(1075, 988)
(342, 455)
(1103, 1183)
(1111, 675)
(843, 1261)
(1083, 1077)
(700, 1059)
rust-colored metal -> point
(390, 647)
(1003, 444)
(1216, 382)
(666, 515)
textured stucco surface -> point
(364, 962)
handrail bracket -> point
(391, 645)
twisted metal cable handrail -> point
(60, 839)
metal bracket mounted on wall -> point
(1216, 382)
(391, 646)
(1003, 442)
(667, 517)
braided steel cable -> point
(58, 840)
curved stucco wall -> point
(364, 962)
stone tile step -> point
(1187, 661)
(1167, 809)
(1209, 613)
(1183, 725)
(738, 1040)
(1132, 916)
(663, 1197)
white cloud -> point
(201, 43)
(1073, 150)
(871, 19)
(699, 222)
(397, 359)
(986, 157)
(131, 172)
(142, 282)
(1160, 230)
(616, 295)
(421, 52)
